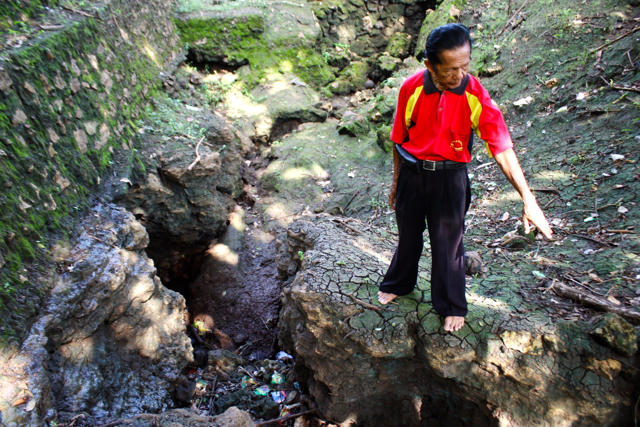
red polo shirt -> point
(434, 125)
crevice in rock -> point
(213, 64)
(283, 128)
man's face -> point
(453, 67)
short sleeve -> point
(399, 131)
(492, 127)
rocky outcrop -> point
(184, 197)
(394, 365)
(270, 36)
(232, 417)
(282, 101)
(70, 97)
(111, 340)
(367, 26)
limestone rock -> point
(472, 263)
(387, 65)
(352, 78)
(224, 360)
(383, 139)
(262, 406)
(262, 36)
(500, 368)
(188, 205)
(399, 45)
(232, 417)
(353, 124)
(110, 328)
(616, 333)
(278, 102)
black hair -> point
(446, 37)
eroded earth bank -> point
(195, 219)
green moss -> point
(434, 19)
(240, 40)
(27, 170)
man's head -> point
(448, 55)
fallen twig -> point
(365, 304)
(51, 27)
(610, 42)
(359, 311)
(484, 165)
(197, 155)
(618, 231)
(568, 60)
(288, 417)
(595, 301)
(102, 241)
(591, 239)
(351, 200)
(80, 12)
(355, 230)
(74, 420)
(511, 19)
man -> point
(438, 109)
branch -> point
(288, 417)
(511, 19)
(197, 155)
(365, 304)
(591, 239)
(355, 230)
(589, 299)
(78, 11)
(614, 40)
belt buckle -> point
(429, 165)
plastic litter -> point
(247, 381)
(282, 356)
(201, 385)
(263, 390)
(284, 412)
(277, 378)
(297, 385)
(278, 396)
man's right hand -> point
(392, 196)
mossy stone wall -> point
(270, 36)
(68, 105)
(28, 8)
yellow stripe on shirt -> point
(476, 110)
(411, 103)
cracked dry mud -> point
(378, 365)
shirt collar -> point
(430, 88)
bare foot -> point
(385, 298)
(453, 323)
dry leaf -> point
(613, 300)
(595, 277)
(19, 401)
(622, 210)
(505, 216)
(523, 101)
(551, 83)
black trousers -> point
(443, 198)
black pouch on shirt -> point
(408, 159)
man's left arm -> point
(531, 212)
